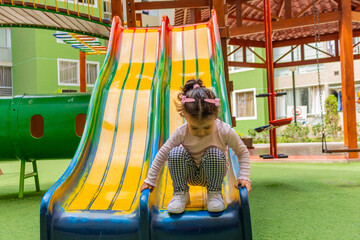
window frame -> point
(12, 83)
(78, 72)
(97, 71)
(234, 102)
(95, 3)
(232, 58)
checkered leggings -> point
(183, 169)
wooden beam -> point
(246, 65)
(306, 62)
(355, 16)
(317, 49)
(245, 19)
(239, 13)
(286, 24)
(248, 43)
(82, 60)
(286, 43)
(281, 8)
(289, 64)
(347, 77)
(285, 54)
(310, 5)
(357, 8)
(288, 10)
(235, 1)
(260, 10)
(234, 51)
(257, 55)
(171, 4)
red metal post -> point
(270, 75)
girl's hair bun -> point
(199, 108)
(189, 85)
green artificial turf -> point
(306, 201)
(288, 201)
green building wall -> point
(35, 53)
(34, 56)
(255, 78)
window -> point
(5, 81)
(237, 56)
(301, 98)
(280, 106)
(107, 8)
(93, 3)
(5, 46)
(305, 96)
(244, 104)
(86, 2)
(69, 72)
(92, 69)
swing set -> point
(274, 123)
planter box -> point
(248, 142)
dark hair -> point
(198, 109)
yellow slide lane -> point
(115, 184)
(196, 47)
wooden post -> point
(130, 13)
(195, 15)
(239, 11)
(139, 18)
(82, 57)
(288, 13)
(219, 6)
(347, 77)
(117, 9)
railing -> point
(100, 9)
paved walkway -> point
(302, 152)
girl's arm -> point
(242, 154)
(161, 157)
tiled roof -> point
(277, 9)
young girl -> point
(197, 151)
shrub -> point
(295, 133)
(332, 117)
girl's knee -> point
(214, 154)
(177, 153)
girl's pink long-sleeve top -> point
(222, 137)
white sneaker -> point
(215, 202)
(178, 202)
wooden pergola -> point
(276, 23)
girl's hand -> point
(146, 186)
(243, 183)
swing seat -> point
(274, 124)
(262, 128)
(280, 122)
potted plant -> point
(247, 140)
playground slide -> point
(196, 53)
(131, 113)
(98, 195)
